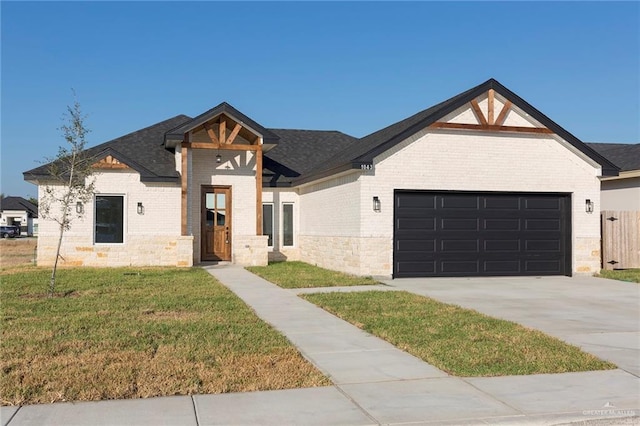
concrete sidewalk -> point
(374, 383)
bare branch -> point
(71, 178)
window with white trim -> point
(267, 222)
(109, 219)
(287, 224)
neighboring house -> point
(620, 192)
(19, 212)
(480, 184)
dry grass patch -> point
(122, 335)
(17, 254)
(459, 341)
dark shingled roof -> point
(141, 150)
(19, 204)
(378, 142)
(300, 156)
(624, 155)
(299, 151)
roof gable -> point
(141, 150)
(382, 140)
(175, 136)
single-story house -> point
(480, 184)
(19, 212)
(620, 192)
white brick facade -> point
(151, 238)
(341, 231)
(334, 224)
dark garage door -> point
(454, 234)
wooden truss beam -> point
(211, 133)
(109, 162)
(258, 155)
(209, 145)
(503, 113)
(478, 112)
(489, 127)
(184, 154)
(234, 133)
(490, 114)
(222, 128)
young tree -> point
(71, 180)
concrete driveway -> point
(600, 316)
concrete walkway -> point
(374, 383)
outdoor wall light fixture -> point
(218, 159)
(588, 206)
(140, 208)
(376, 204)
(79, 208)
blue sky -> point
(354, 67)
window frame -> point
(273, 220)
(95, 218)
(293, 223)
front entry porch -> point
(219, 155)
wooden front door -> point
(216, 223)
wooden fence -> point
(620, 239)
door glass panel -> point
(220, 201)
(209, 218)
(221, 218)
(210, 200)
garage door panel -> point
(456, 267)
(501, 203)
(409, 200)
(459, 224)
(542, 245)
(413, 224)
(502, 224)
(542, 203)
(457, 246)
(542, 266)
(512, 267)
(417, 268)
(459, 202)
(469, 234)
(542, 224)
(503, 246)
(416, 245)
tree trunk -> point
(52, 281)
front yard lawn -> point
(631, 275)
(459, 341)
(135, 333)
(302, 275)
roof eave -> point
(350, 166)
(152, 179)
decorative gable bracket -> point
(490, 122)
